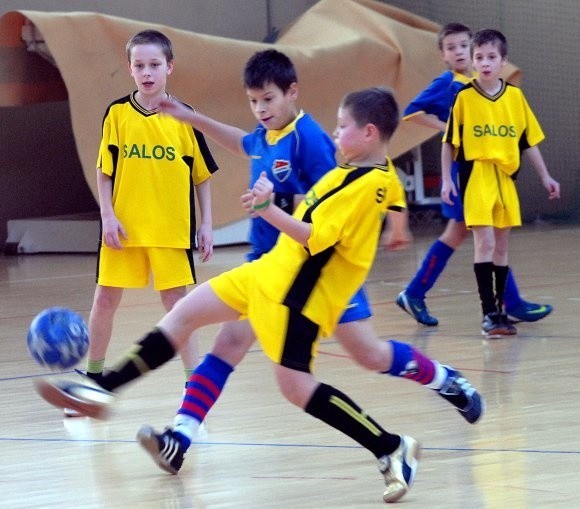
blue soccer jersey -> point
(294, 158)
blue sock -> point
(410, 363)
(511, 297)
(431, 268)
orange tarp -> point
(337, 46)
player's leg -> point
(404, 360)
(412, 298)
(173, 270)
(492, 325)
(198, 308)
(190, 352)
(116, 269)
(290, 346)
(203, 389)
(396, 454)
(105, 303)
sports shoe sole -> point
(57, 396)
(498, 333)
(148, 440)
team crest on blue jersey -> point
(281, 170)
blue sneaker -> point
(399, 467)
(528, 312)
(416, 308)
(457, 390)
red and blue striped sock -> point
(203, 388)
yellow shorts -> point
(131, 267)
(286, 336)
(490, 197)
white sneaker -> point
(398, 469)
(88, 399)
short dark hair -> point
(450, 29)
(151, 37)
(269, 66)
(490, 35)
(377, 106)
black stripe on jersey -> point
(306, 279)
(353, 175)
(204, 149)
(300, 335)
(309, 273)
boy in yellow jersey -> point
(431, 109)
(489, 126)
(296, 293)
(148, 167)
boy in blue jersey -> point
(431, 109)
(294, 295)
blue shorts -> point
(358, 308)
(454, 211)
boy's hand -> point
(553, 188)
(448, 191)
(396, 235)
(113, 230)
(262, 193)
(395, 239)
(205, 242)
(176, 109)
(247, 198)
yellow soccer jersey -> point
(494, 129)
(346, 209)
(154, 161)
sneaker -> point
(529, 312)
(399, 467)
(164, 448)
(457, 390)
(416, 308)
(95, 377)
(87, 399)
(497, 325)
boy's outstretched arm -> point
(551, 185)
(427, 120)
(227, 136)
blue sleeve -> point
(249, 139)
(435, 99)
(315, 151)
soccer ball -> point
(58, 338)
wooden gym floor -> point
(261, 452)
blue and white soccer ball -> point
(58, 338)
